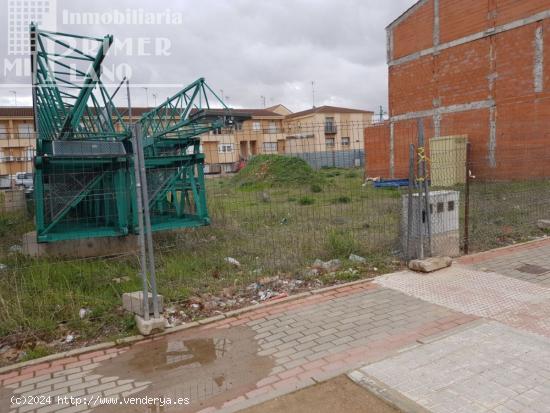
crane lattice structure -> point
(84, 184)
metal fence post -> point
(139, 207)
(410, 201)
(467, 200)
(146, 213)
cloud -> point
(248, 48)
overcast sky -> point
(247, 48)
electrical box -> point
(443, 215)
(448, 160)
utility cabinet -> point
(448, 160)
(444, 218)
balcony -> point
(330, 129)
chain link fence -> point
(290, 209)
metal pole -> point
(148, 232)
(467, 200)
(139, 206)
(408, 254)
(424, 188)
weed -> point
(342, 200)
(341, 243)
(316, 188)
(306, 200)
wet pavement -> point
(371, 328)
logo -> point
(20, 15)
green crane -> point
(84, 185)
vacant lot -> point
(275, 229)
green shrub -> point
(342, 200)
(341, 243)
(306, 200)
(316, 188)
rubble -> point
(327, 266)
(232, 261)
(83, 313)
(16, 249)
(357, 259)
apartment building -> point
(225, 147)
(326, 128)
(18, 141)
(273, 130)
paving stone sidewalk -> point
(490, 367)
(310, 339)
(528, 262)
(382, 325)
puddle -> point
(208, 366)
(172, 354)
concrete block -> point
(146, 327)
(79, 248)
(430, 264)
(12, 200)
(133, 302)
(543, 223)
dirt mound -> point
(276, 170)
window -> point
(25, 130)
(270, 146)
(225, 147)
(440, 207)
(345, 141)
(256, 126)
(329, 142)
(3, 131)
(330, 126)
(273, 127)
(451, 206)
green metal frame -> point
(172, 148)
(75, 196)
(86, 195)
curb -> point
(386, 393)
(471, 258)
(209, 320)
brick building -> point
(469, 67)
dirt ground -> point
(339, 395)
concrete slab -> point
(487, 368)
(80, 248)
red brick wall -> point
(461, 73)
(515, 55)
(412, 86)
(510, 10)
(499, 67)
(377, 150)
(414, 33)
(461, 18)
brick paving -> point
(462, 339)
(515, 261)
(309, 339)
(486, 368)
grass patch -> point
(306, 200)
(341, 244)
(342, 200)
